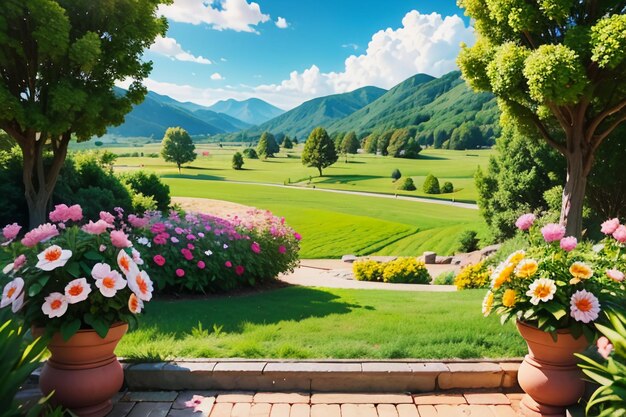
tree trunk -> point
(178, 168)
(578, 168)
(320, 170)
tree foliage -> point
(407, 185)
(396, 174)
(431, 185)
(237, 161)
(319, 150)
(558, 69)
(59, 61)
(402, 144)
(370, 144)
(287, 143)
(177, 147)
(250, 153)
(350, 144)
(267, 146)
(466, 136)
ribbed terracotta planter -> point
(83, 372)
(549, 375)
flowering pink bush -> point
(202, 253)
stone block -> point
(471, 375)
(430, 258)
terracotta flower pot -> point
(549, 375)
(83, 372)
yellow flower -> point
(526, 268)
(488, 303)
(516, 257)
(508, 299)
(579, 271)
(501, 275)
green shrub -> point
(407, 185)
(237, 161)
(445, 278)
(468, 242)
(506, 248)
(250, 153)
(150, 185)
(473, 276)
(368, 270)
(431, 185)
(396, 174)
(447, 188)
(143, 203)
(406, 270)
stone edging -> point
(321, 376)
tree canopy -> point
(178, 147)
(319, 150)
(267, 146)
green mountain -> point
(253, 111)
(157, 112)
(426, 103)
(320, 111)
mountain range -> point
(253, 111)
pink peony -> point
(615, 275)
(119, 239)
(180, 273)
(187, 254)
(19, 262)
(40, 234)
(620, 234)
(178, 231)
(159, 260)
(138, 222)
(96, 228)
(298, 236)
(10, 231)
(256, 248)
(552, 232)
(282, 249)
(525, 221)
(228, 264)
(63, 213)
(107, 217)
(604, 347)
(239, 270)
(201, 264)
(610, 226)
(569, 243)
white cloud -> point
(237, 15)
(350, 46)
(223, 59)
(170, 48)
(216, 76)
(281, 23)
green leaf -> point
(73, 269)
(98, 325)
(93, 256)
(69, 328)
(557, 310)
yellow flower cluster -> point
(367, 270)
(472, 276)
(405, 270)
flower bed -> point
(400, 270)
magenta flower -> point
(552, 232)
(620, 234)
(201, 264)
(119, 239)
(107, 217)
(297, 235)
(96, 228)
(178, 231)
(190, 246)
(228, 264)
(239, 270)
(11, 231)
(282, 249)
(569, 243)
(158, 228)
(187, 254)
(525, 221)
(159, 260)
(191, 237)
(40, 234)
(256, 248)
(161, 239)
(180, 273)
(610, 226)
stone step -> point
(322, 376)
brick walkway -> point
(250, 404)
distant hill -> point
(157, 112)
(320, 111)
(253, 111)
(425, 102)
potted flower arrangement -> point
(81, 285)
(556, 289)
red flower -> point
(239, 270)
(159, 260)
(180, 273)
(228, 264)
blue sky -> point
(289, 51)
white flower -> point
(55, 305)
(53, 257)
(137, 257)
(125, 263)
(135, 304)
(11, 291)
(225, 246)
(77, 290)
(107, 280)
(8, 268)
(143, 241)
(585, 306)
(18, 303)
(541, 289)
(208, 253)
(141, 284)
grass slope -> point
(287, 323)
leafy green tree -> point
(337, 138)
(402, 144)
(237, 161)
(59, 62)
(149, 184)
(350, 144)
(431, 185)
(466, 136)
(319, 150)
(440, 136)
(177, 147)
(107, 159)
(383, 142)
(407, 185)
(396, 174)
(250, 153)
(295, 140)
(447, 188)
(558, 69)
(287, 144)
(267, 146)
(370, 144)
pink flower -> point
(159, 260)
(19, 262)
(187, 254)
(96, 228)
(119, 239)
(138, 222)
(615, 275)
(201, 264)
(610, 226)
(107, 217)
(178, 231)
(228, 264)
(604, 347)
(102, 248)
(620, 234)
(297, 236)
(191, 237)
(201, 234)
(161, 238)
(40, 234)
(239, 270)
(282, 249)
(190, 246)
(552, 232)
(569, 243)
(63, 213)
(174, 239)
(180, 273)
(10, 231)
(256, 248)
(525, 221)
(157, 228)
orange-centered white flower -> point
(135, 304)
(11, 292)
(126, 263)
(541, 289)
(526, 268)
(55, 305)
(107, 280)
(53, 257)
(584, 306)
(77, 290)
(141, 284)
(579, 271)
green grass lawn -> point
(298, 322)
(336, 224)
